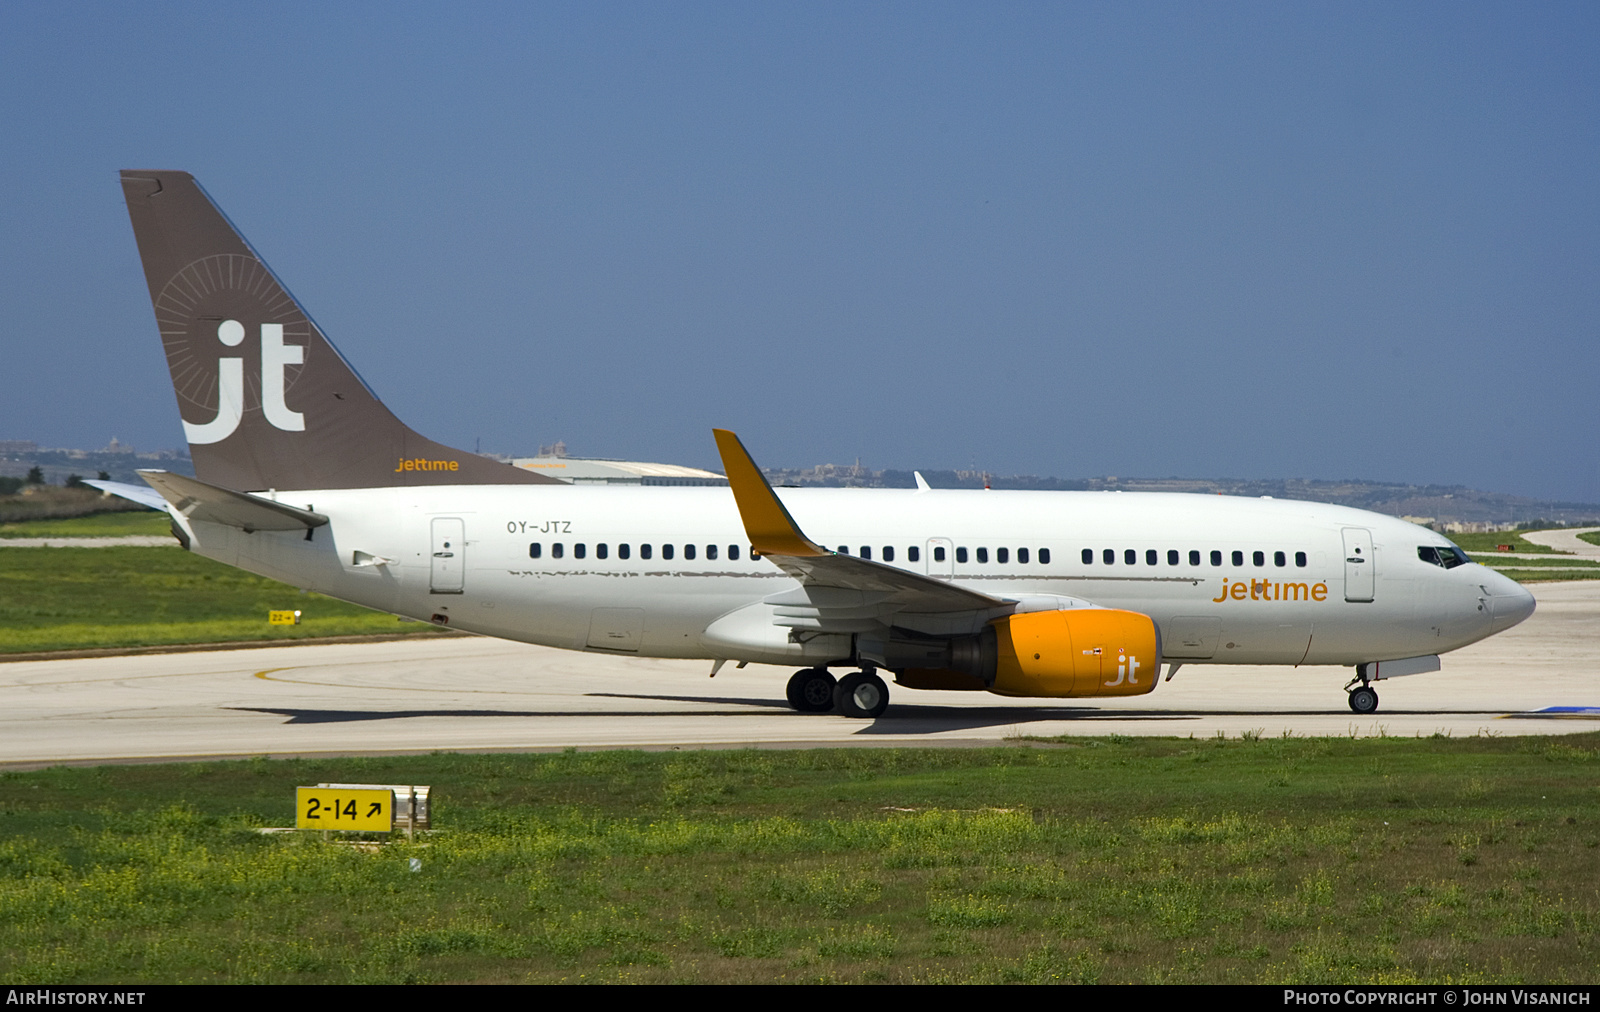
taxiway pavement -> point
(473, 694)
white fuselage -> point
(1226, 580)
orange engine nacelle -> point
(1076, 652)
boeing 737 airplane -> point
(302, 475)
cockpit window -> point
(1448, 556)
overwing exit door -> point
(449, 563)
(1358, 565)
(941, 558)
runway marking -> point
(1562, 712)
(119, 678)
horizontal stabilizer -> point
(134, 493)
(198, 500)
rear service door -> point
(449, 556)
(1358, 566)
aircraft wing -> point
(774, 533)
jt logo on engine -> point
(275, 358)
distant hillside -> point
(1443, 504)
(59, 465)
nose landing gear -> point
(1363, 700)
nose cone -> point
(1510, 601)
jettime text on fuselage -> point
(1271, 590)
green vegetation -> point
(75, 598)
(1560, 561)
(1248, 860)
(98, 525)
(36, 501)
(1486, 543)
(1593, 537)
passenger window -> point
(961, 555)
(711, 552)
(1109, 556)
(844, 549)
(1279, 559)
(1002, 555)
(983, 555)
(580, 550)
(602, 550)
(1216, 558)
(666, 552)
(733, 553)
(938, 553)
(623, 551)
(1088, 556)
(1194, 558)
(1149, 556)
(866, 551)
(888, 553)
(914, 554)
(1259, 558)
(557, 550)
(535, 550)
(1238, 558)
(1044, 556)
(1300, 559)
(1130, 557)
(1022, 556)
(1172, 556)
(644, 551)
(688, 552)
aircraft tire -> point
(861, 694)
(811, 690)
(1364, 700)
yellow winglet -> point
(771, 529)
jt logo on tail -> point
(275, 357)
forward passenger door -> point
(1359, 578)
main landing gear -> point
(859, 694)
(1364, 698)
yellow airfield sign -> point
(344, 808)
(283, 617)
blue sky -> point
(1249, 240)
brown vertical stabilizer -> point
(266, 400)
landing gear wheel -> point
(1364, 700)
(811, 690)
(861, 694)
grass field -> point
(99, 525)
(1155, 860)
(1593, 537)
(75, 598)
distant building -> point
(595, 471)
(8, 446)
